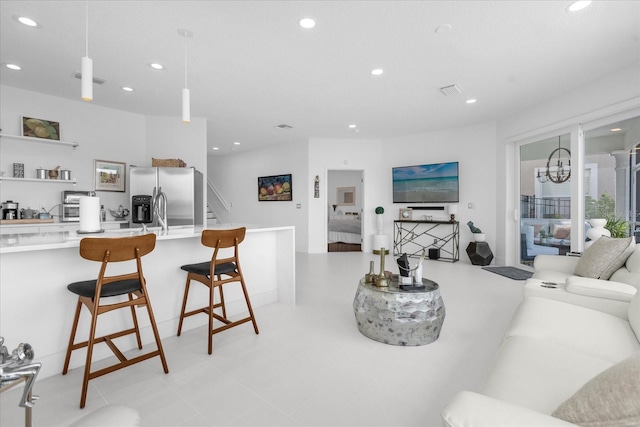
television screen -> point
(435, 183)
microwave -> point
(70, 207)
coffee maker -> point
(142, 210)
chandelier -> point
(557, 172)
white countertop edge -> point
(173, 234)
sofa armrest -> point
(564, 264)
(600, 288)
(473, 409)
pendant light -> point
(186, 96)
(562, 171)
(87, 64)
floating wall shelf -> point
(40, 140)
(51, 181)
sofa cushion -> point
(588, 331)
(611, 398)
(634, 314)
(534, 288)
(538, 374)
(604, 257)
(600, 288)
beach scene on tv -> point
(426, 183)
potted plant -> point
(478, 235)
(617, 226)
(380, 219)
(543, 236)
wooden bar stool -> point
(210, 273)
(91, 293)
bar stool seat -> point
(216, 273)
(88, 288)
(92, 292)
(203, 268)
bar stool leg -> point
(246, 297)
(212, 290)
(135, 323)
(72, 337)
(156, 334)
(224, 307)
(184, 303)
(90, 342)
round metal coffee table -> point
(399, 317)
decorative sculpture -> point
(16, 365)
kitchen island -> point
(36, 267)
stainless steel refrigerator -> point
(182, 186)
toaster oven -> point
(70, 207)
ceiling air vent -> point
(96, 80)
(284, 126)
(450, 90)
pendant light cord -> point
(185, 59)
(86, 22)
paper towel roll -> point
(90, 214)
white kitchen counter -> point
(25, 239)
(36, 268)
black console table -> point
(413, 237)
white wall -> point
(236, 178)
(350, 178)
(473, 147)
(325, 155)
(102, 133)
(169, 138)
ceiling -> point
(251, 66)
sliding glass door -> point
(572, 177)
(545, 197)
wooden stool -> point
(91, 292)
(210, 274)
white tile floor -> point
(309, 366)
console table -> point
(413, 237)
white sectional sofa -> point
(566, 359)
(611, 295)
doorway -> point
(345, 200)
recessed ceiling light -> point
(377, 71)
(13, 67)
(236, 143)
(578, 5)
(127, 89)
(27, 21)
(445, 28)
(353, 126)
(471, 101)
(215, 148)
(156, 66)
(616, 130)
(307, 23)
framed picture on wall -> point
(109, 176)
(275, 188)
(40, 128)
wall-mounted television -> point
(434, 183)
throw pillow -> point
(604, 257)
(611, 398)
(561, 232)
